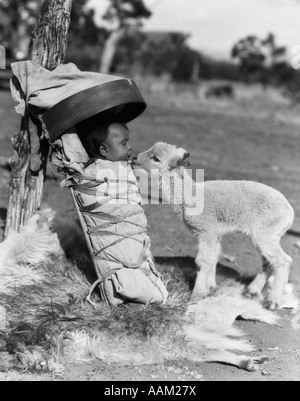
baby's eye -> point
(156, 159)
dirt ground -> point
(254, 137)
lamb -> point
(221, 207)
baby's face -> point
(117, 144)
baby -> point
(109, 149)
(107, 142)
(111, 204)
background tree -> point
(86, 39)
(249, 53)
(260, 59)
(123, 15)
(279, 72)
(18, 20)
(275, 53)
(158, 53)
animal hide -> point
(45, 322)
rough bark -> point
(30, 148)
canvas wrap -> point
(108, 198)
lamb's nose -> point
(186, 155)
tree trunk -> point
(196, 71)
(109, 51)
(30, 148)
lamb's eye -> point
(156, 159)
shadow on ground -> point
(189, 269)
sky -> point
(215, 25)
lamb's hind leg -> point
(279, 265)
(256, 287)
(206, 261)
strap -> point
(142, 258)
(131, 235)
(119, 240)
(90, 189)
(94, 206)
(99, 281)
(87, 188)
(96, 229)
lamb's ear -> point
(176, 162)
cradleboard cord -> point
(80, 183)
(89, 188)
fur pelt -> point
(45, 322)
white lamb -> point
(251, 208)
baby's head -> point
(109, 141)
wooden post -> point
(30, 148)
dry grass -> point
(49, 324)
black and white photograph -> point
(149, 193)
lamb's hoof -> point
(273, 303)
(252, 364)
(198, 296)
(272, 306)
(202, 292)
(250, 294)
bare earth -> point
(256, 137)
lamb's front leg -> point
(206, 261)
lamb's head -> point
(161, 158)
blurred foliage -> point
(123, 16)
(167, 53)
(14, 11)
(17, 20)
(156, 53)
(260, 60)
(127, 12)
(86, 39)
(254, 59)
